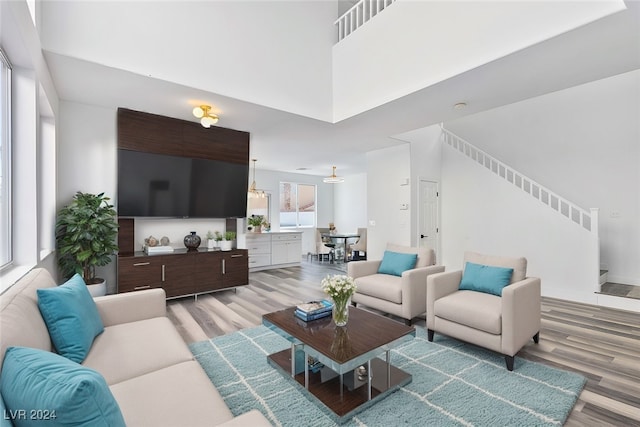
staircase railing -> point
(358, 15)
(578, 215)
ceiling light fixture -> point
(460, 106)
(207, 118)
(333, 179)
(253, 191)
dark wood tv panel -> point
(184, 273)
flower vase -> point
(340, 311)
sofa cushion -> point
(69, 393)
(395, 263)
(22, 323)
(474, 309)
(131, 349)
(426, 256)
(382, 286)
(178, 395)
(71, 317)
(519, 265)
(485, 278)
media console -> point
(184, 273)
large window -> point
(297, 205)
(5, 161)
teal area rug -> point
(453, 384)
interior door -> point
(428, 218)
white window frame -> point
(6, 252)
(297, 213)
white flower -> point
(338, 287)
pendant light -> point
(207, 118)
(333, 179)
(253, 191)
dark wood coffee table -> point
(353, 376)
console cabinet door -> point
(235, 268)
(207, 274)
(177, 274)
(138, 273)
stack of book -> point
(314, 310)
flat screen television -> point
(158, 185)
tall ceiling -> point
(285, 141)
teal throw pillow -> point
(395, 263)
(71, 316)
(485, 278)
(54, 391)
(5, 421)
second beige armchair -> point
(469, 306)
(404, 294)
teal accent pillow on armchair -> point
(485, 278)
(62, 392)
(71, 316)
(395, 263)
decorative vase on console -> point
(192, 241)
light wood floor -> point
(600, 343)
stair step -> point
(603, 276)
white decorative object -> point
(150, 250)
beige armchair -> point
(500, 323)
(403, 296)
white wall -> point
(484, 213)
(426, 153)
(412, 45)
(87, 151)
(581, 143)
(387, 171)
(350, 203)
(246, 48)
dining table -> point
(342, 237)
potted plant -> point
(218, 237)
(211, 242)
(86, 232)
(227, 243)
(256, 222)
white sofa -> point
(403, 296)
(149, 369)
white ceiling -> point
(285, 141)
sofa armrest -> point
(357, 269)
(132, 306)
(438, 286)
(414, 289)
(520, 314)
(253, 418)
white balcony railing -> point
(359, 14)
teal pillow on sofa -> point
(485, 278)
(395, 263)
(71, 316)
(57, 390)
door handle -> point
(422, 236)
